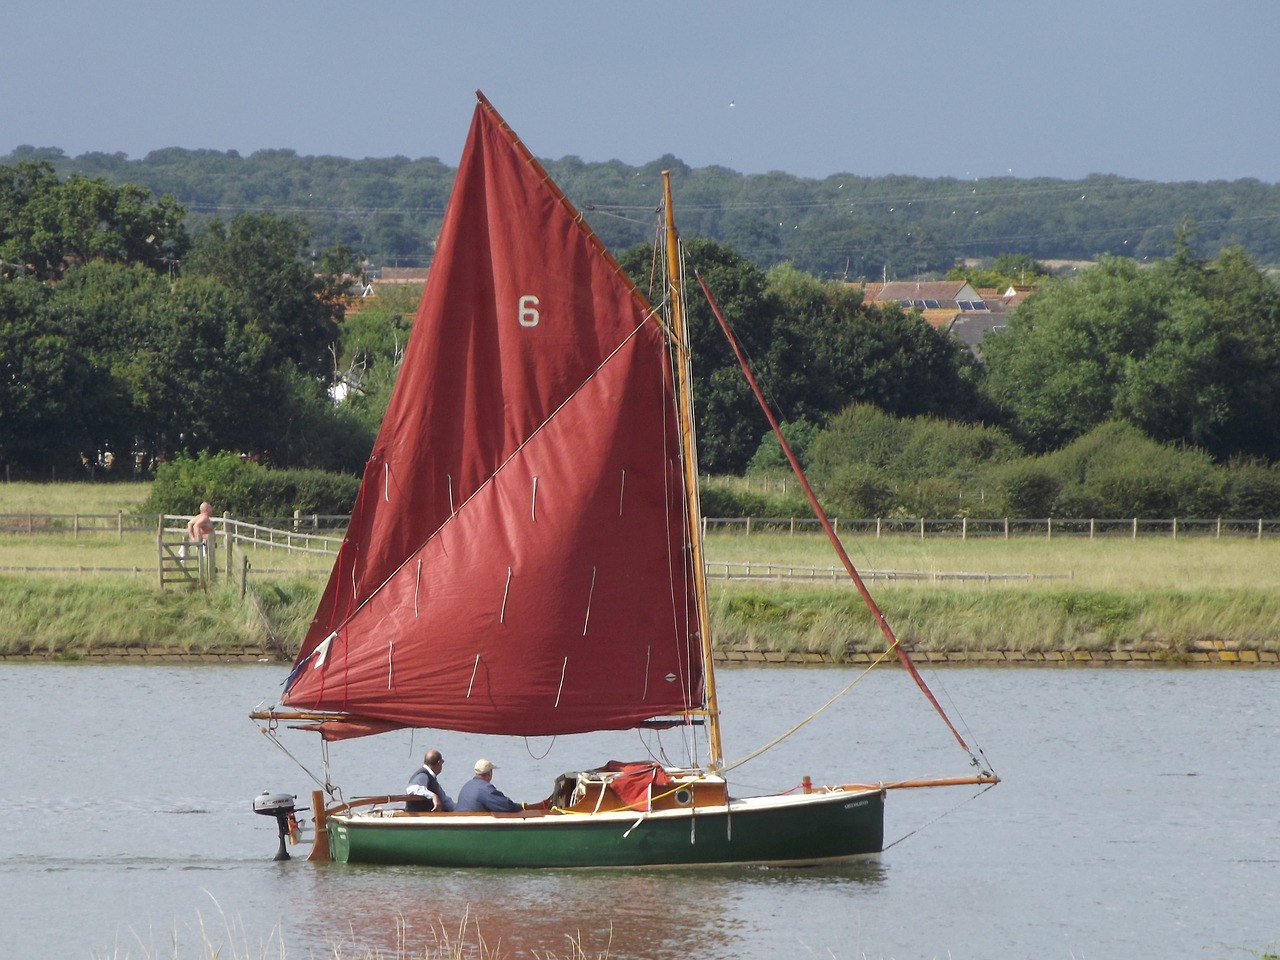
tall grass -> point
(438, 942)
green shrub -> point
(247, 489)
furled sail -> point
(517, 560)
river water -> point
(1137, 819)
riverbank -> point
(1037, 623)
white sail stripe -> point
(564, 668)
(590, 593)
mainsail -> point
(517, 560)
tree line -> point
(129, 337)
(838, 227)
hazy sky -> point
(1152, 89)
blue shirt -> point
(478, 794)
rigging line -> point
(270, 735)
(502, 612)
(533, 502)
(391, 649)
(529, 750)
(474, 670)
(945, 813)
(417, 585)
(884, 655)
(386, 482)
(821, 515)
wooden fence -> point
(966, 528)
(319, 533)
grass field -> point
(66, 590)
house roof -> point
(898, 290)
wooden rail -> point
(721, 570)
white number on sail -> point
(529, 315)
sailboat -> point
(524, 558)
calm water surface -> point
(1137, 819)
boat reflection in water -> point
(395, 911)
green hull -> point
(785, 830)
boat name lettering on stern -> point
(528, 313)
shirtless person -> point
(200, 527)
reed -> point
(834, 621)
(438, 942)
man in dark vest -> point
(425, 790)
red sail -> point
(516, 561)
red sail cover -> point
(517, 560)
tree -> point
(1188, 350)
(1055, 368)
(291, 292)
(47, 226)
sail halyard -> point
(683, 366)
(503, 568)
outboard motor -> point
(280, 806)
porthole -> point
(684, 796)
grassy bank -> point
(1152, 594)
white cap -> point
(484, 766)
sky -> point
(1166, 90)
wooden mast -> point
(689, 454)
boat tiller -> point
(280, 806)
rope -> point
(777, 740)
(945, 813)
(271, 735)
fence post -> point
(1218, 534)
(964, 528)
(120, 524)
(835, 526)
(793, 526)
(922, 528)
(244, 573)
(1006, 528)
(226, 534)
(1091, 528)
(1259, 528)
(1049, 528)
(1175, 528)
(748, 526)
(1135, 528)
(877, 528)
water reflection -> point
(650, 914)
